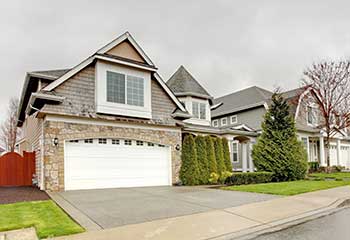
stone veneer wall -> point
(54, 156)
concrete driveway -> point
(109, 208)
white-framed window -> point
(235, 158)
(312, 118)
(102, 141)
(150, 144)
(125, 89)
(139, 143)
(234, 119)
(74, 141)
(304, 141)
(127, 142)
(88, 140)
(223, 121)
(215, 123)
(199, 110)
(115, 141)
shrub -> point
(226, 152)
(212, 167)
(240, 178)
(277, 149)
(219, 155)
(202, 159)
(189, 172)
(213, 178)
(314, 167)
(223, 176)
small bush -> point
(314, 167)
(249, 178)
(214, 177)
(223, 176)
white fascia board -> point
(69, 74)
(125, 63)
(169, 92)
(35, 96)
(120, 39)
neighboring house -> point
(110, 121)
(247, 107)
(200, 104)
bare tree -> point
(9, 131)
(329, 85)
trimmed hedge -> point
(227, 158)
(211, 155)
(219, 155)
(240, 178)
(189, 171)
(202, 158)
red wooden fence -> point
(16, 170)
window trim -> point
(222, 119)
(234, 122)
(105, 107)
(237, 151)
(215, 123)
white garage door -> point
(114, 163)
(345, 156)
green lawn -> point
(288, 188)
(48, 219)
(339, 175)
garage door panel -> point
(90, 166)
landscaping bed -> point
(21, 194)
(340, 176)
(288, 188)
(48, 219)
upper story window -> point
(234, 119)
(125, 89)
(199, 110)
(311, 115)
(223, 121)
(216, 123)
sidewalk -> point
(230, 222)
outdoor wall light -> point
(177, 147)
(55, 142)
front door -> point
(313, 152)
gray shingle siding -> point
(79, 93)
(252, 118)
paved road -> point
(334, 227)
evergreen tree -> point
(212, 167)
(277, 149)
(189, 172)
(202, 157)
(219, 155)
(227, 158)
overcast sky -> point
(226, 45)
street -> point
(335, 227)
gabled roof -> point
(241, 100)
(182, 83)
(49, 74)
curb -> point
(282, 224)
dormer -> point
(192, 95)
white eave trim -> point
(125, 63)
(35, 96)
(120, 39)
(216, 106)
(169, 92)
(69, 74)
(245, 127)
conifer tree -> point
(227, 158)
(219, 155)
(189, 172)
(212, 167)
(277, 149)
(202, 157)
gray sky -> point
(226, 45)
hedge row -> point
(249, 178)
(204, 160)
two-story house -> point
(110, 121)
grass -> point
(48, 219)
(288, 188)
(338, 175)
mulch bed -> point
(21, 194)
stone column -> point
(244, 157)
(338, 152)
(322, 152)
